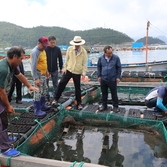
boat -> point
(94, 51)
(156, 66)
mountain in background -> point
(163, 38)
(11, 34)
(151, 40)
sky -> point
(127, 16)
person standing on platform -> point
(16, 83)
(109, 74)
(75, 67)
(8, 68)
(54, 60)
(39, 74)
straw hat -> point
(77, 41)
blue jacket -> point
(110, 70)
(160, 91)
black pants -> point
(15, 82)
(63, 82)
(104, 89)
(4, 139)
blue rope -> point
(107, 117)
(16, 118)
(81, 164)
(8, 161)
(61, 106)
(73, 164)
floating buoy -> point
(86, 79)
(39, 135)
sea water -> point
(107, 146)
(125, 57)
(135, 56)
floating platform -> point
(32, 132)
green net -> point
(46, 130)
(41, 133)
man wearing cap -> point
(39, 74)
(75, 67)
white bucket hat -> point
(77, 41)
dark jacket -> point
(111, 70)
(54, 54)
(21, 68)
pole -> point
(148, 24)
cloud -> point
(129, 17)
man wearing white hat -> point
(75, 67)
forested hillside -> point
(11, 34)
(151, 40)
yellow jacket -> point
(76, 64)
(38, 62)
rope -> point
(8, 161)
(16, 118)
(45, 134)
(61, 106)
(108, 117)
(73, 164)
(81, 164)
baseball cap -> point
(44, 41)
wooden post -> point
(148, 24)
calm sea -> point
(135, 56)
(125, 57)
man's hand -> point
(37, 82)
(10, 109)
(99, 79)
(47, 75)
(64, 72)
(32, 88)
(61, 72)
(82, 77)
(117, 80)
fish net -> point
(42, 130)
(45, 130)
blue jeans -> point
(104, 89)
(54, 77)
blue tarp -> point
(137, 44)
(63, 47)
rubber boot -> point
(42, 104)
(37, 110)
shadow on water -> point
(106, 146)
